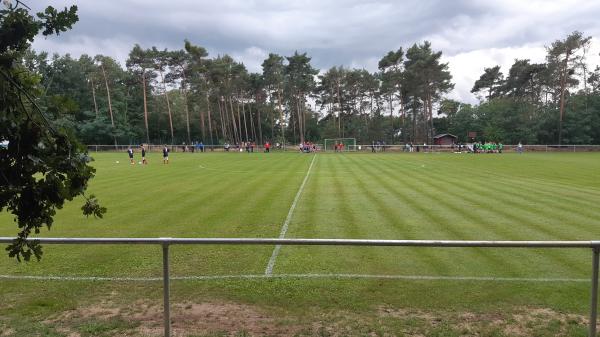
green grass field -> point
(374, 196)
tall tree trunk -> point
(332, 108)
(221, 118)
(229, 123)
(186, 108)
(332, 114)
(231, 135)
(391, 104)
(425, 119)
(340, 132)
(225, 120)
(234, 121)
(563, 85)
(203, 125)
(402, 115)
(239, 118)
(430, 104)
(112, 121)
(363, 114)
(245, 124)
(209, 119)
(145, 106)
(259, 122)
(272, 119)
(300, 127)
(585, 80)
(303, 111)
(94, 96)
(414, 120)
(252, 125)
(281, 121)
(293, 122)
(126, 106)
(168, 107)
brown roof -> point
(444, 135)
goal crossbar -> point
(349, 144)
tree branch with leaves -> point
(43, 165)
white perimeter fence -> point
(350, 148)
(167, 242)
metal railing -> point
(464, 148)
(167, 242)
(187, 148)
(347, 148)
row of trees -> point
(183, 96)
(552, 102)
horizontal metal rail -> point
(166, 242)
(317, 242)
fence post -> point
(594, 296)
(166, 290)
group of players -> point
(308, 147)
(248, 146)
(487, 147)
(144, 161)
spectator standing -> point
(165, 155)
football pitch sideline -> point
(351, 196)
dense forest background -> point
(183, 96)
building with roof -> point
(445, 139)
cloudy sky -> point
(472, 34)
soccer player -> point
(267, 147)
(143, 149)
(165, 155)
(130, 153)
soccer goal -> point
(347, 144)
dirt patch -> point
(519, 322)
(68, 332)
(186, 318)
(102, 311)
(145, 318)
(6, 331)
(205, 318)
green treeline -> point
(184, 96)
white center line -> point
(301, 276)
(286, 223)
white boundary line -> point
(286, 223)
(299, 276)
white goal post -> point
(348, 144)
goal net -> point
(343, 144)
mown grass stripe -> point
(298, 276)
(284, 228)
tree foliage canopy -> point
(43, 165)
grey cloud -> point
(350, 33)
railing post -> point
(594, 296)
(166, 290)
